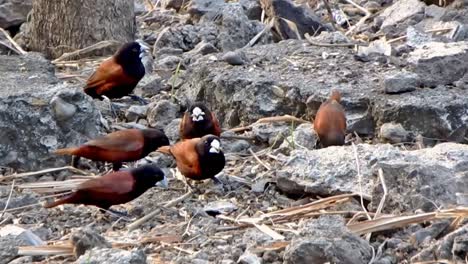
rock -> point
(136, 112)
(331, 37)
(440, 63)
(112, 256)
(22, 260)
(37, 115)
(153, 86)
(303, 136)
(434, 11)
(326, 239)
(172, 130)
(233, 145)
(19, 200)
(418, 180)
(252, 9)
(11, 237)
(408, 174)
(242, 95)
(219, 207)
(431, 232)
(230, 30)
(199, 8)
(87, 239)
(249, 258)
(400, 82)
(415, 38)
(174, 4)
(14, 12)
(377, 47)
(394, 133)
(271, 133)
(453, 246)
(304, 20)
(203, 48)
(400, 11)
(235, 57)
(161, 113)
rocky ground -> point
(395, 193)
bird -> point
(198, 158)
(114, 188)
(118, 75)
(120, 146)
(330, 121)
(198, 121)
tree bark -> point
(60, 26)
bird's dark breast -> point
(211, 165)
(200, 129)
(134, 70)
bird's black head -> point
(199, 112)
(147, 176)
(135, 58)
(154, 138)
(210, 155)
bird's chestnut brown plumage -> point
(199, 121)
(117, 76)
(330, 121)
(198, 158)
(114, 188)
(120, 146)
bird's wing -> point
(120, 182)
(187, 157)
(123, 140)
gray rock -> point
(37, 115)
(136, 112)
(400, 11)
(331, 37)
(22, 260)
(408, 174)
(13, 12)
(400, 82)
(415, 38)
(11, 238)
(199, 8)
(235, 57)
(8, 249)
(434, 11)
(303, 136)
(440, 63)
(153, 86)
(203, 48)
(220, 207)
(326, 239)
(242, 95)
(252, 9)
(161, 113)
(271, 133)
(172, 130)
(453, 246)
(394, 133)
(249, 258)
(112, 256)
(233, 145)
(85, 239)
(168, 63)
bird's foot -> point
(139, 99)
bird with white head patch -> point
(198, 158)
(199, 121)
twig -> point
(252, 138)
(384, 197)
(272, 119)
(358, 169)
(8, 200)
(77, 53)
(145, 218)
(36, 173)
(330, 14)
(426, 31)
(10, 47)
(13, 42)
(258, 160)
(260, 34)
(319, 44)
(362, 20)
(22, 207)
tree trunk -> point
(60, 26)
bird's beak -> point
(198, 117)
(163, 183)
(214, 149)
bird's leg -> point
(75, 161)
(138, 98)
(111, 106)
(116, 166)
(217, 181)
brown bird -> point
(330, 121)
(114, 188)
(198, 158)
(120, 146)
(117, 76)
(199, 121)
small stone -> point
(153, 86)
(62, 110)
(112, 256)
(400, 82)
(415, 38)
(400, 11)
(219, 207)
(434, 11)
(235, 57)
(271, 133)
(393, 133)
(86, 239)
(303, 136)
(169, 63)
(252, 8)
(136, 112)
(249, 258)
(203, 48)
(162, 113)
(172, 130)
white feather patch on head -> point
(215, 146)
(145, 56)
(197, 114)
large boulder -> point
(294, 77)
(38, 114)
(417, 179)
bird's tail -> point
(165, 150)
(65, 151)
